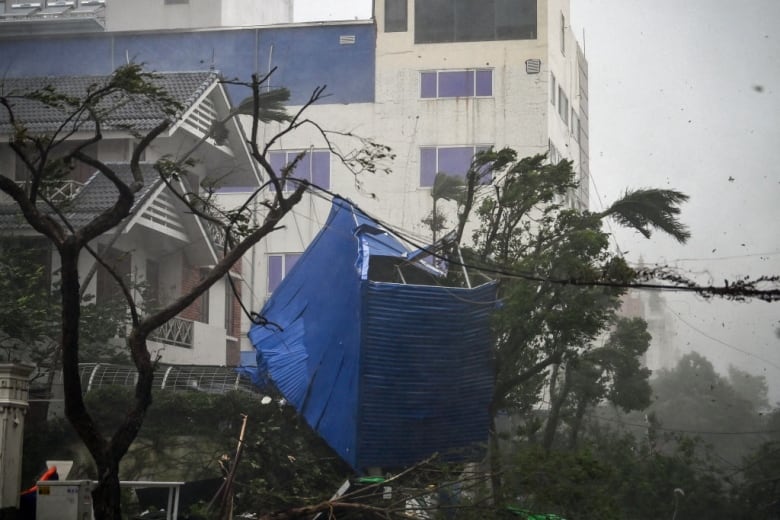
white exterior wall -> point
(122, 15)
(238, 13)
(158, 14)
(514, 116)
(209, 348)
(563, 64)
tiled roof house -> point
(161, 244)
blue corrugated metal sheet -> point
(426, 373)
(312, 356)
(386, 373)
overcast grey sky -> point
(685, 95)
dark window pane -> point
(484, 82)
(455, 160)
(274, 272)
(395, 16)
(474, 20)
(320, 169)
(152, 290)
(230, 301)
(204, 307)
(427, 166)
(434, 21)
(456, 83)
(108, 290)
(428, 84)
(515, 19)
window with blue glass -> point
(456, 83)
(452, 160)
(314, 166)
(279, 266)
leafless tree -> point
(46, 157)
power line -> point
(717, 258)
(716, 340)
(735, 290)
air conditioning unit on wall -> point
(64, 500)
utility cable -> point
(716, 340)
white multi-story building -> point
(24, 17)
(451, 78)
(436, 80)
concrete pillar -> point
(14, 389)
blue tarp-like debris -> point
(386, 372)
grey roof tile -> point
(97, 195)
(137, 113)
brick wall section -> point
(235, 327)
(190, 278)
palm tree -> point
(650, 208)
(447, 187)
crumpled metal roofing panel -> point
(386, 373)
(426, 373)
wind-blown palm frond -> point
(447, 187)
(272, 106)
(650, 208)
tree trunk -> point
(106, 497)
(556, 404)
(434, 221)
(579, 415)
(494, 453)
(106, 454)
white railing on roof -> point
(216, 232)
(176, 331)
(207, 378)
(163, 215)
(57, 191)
(203, 116)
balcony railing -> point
(57, 191)
(216, 232)
(176, 331)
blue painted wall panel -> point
(56, 56)
(308, 58)
(305, 57)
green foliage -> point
(26, 303)
(619, 475)
(447, 187)
(30, 310)
(270, 106)
(621, 358)
(645, 209)
(749, 387)
(694, 397)
(186, 435)
(47, 440)
(571, 484)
